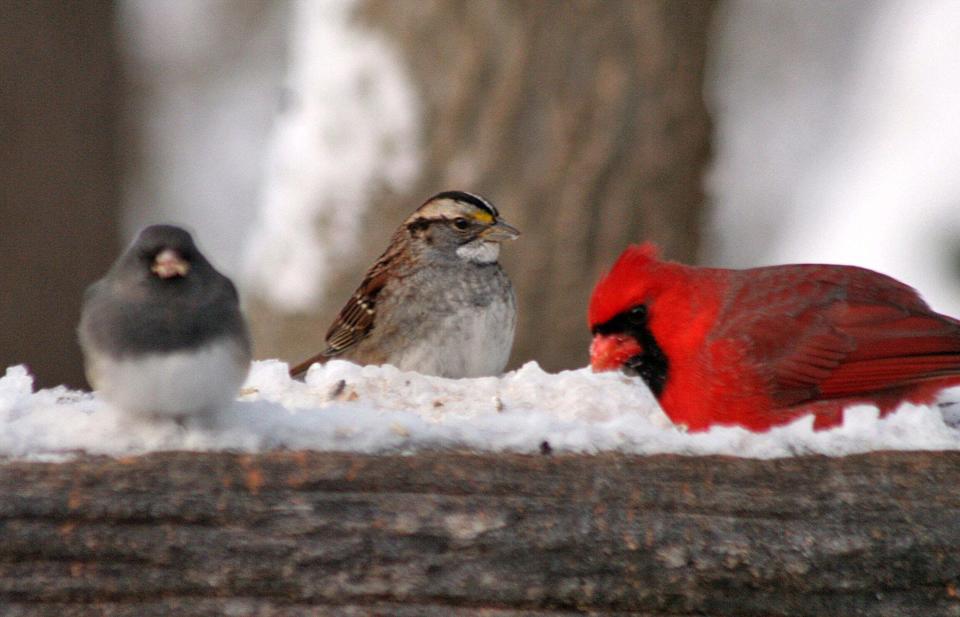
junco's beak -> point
(499, 232)
(168, 263)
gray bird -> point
(436, 301)
(162, 333)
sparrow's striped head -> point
(453, 204)
(457, 218)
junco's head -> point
(163, 254)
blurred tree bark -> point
(582, 121)
(58, 177)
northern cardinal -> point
(761, 347)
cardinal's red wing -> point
(892, 350)
(817, 332)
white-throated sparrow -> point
(436, 301)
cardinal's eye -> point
(461, 223)
(638, 314)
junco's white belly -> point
(175, 384)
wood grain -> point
(292, 533)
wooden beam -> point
(468, 535)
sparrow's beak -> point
(609, 352)
(168, 263)
(500, 232)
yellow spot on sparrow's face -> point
(483, 217)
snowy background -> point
(836, 137)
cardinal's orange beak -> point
(609, 352)
(168, 263)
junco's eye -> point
(461, 223)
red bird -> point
(760, 347)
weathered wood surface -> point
(294, 533)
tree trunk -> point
(286, 533)
(59, 186)
(582, 121)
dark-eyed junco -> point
(162, 333)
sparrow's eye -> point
(461, 223)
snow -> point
(344, 407)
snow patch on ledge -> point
(344, 407)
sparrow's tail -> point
(301, 368)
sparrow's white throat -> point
(480, 252)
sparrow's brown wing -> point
(356, 319)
